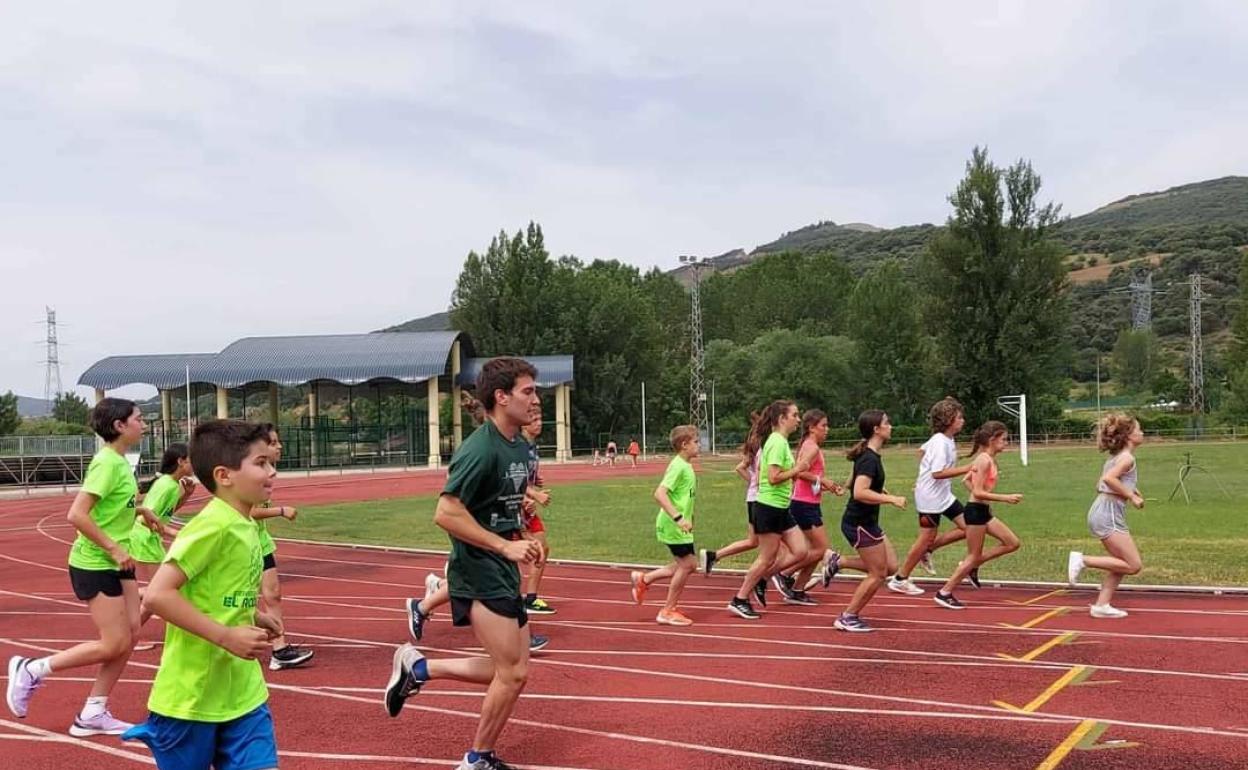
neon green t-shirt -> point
(682, 486)
(219, 552)
(776, 451)
(111, 481)
(267, 546)
(161, 499)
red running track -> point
(931, 689)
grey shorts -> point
(1107, 516)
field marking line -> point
(1037, 599)
(1039, 619)
(69, 740)
(1064, 681)
(1068, 745)
(1042, 649)
(406, 760)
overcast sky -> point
(176, 177)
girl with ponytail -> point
(747, 469)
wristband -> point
(679, 518)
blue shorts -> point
(245, 743)
(862, 535)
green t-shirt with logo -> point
(219, 552)
(682, 486)
(776, 451)
(111, 480)
(161, 499)
(488, 474)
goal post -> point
(1017, 406)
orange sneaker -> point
(673, 618)
(638, 585)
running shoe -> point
(538, 642)
(802, 598)
(1107, 611)
(784, 584)
(403, 684)
(706, 560)
(289, 657)
(973, 576)
(673, 618)
(21, 685)
(925, 561)
(539, 607)
(493, 763)
(852, 623)
(638, 586)
(103, 723)
(906, 586)
(1074, 565)
(432, 584)
(415, 619)
(830, 567)
(760, 592)
(743, 608)
(816, 578)
(948, 601)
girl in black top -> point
(861, 522)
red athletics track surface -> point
(931, 689)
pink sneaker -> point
(100, 724)
(22, 684)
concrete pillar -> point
(567, 419)
(99, 395)
(166, 413)
(274, 408)
(223, 403)
(314, 411)
(435, 434)
(561, 444)
(457, 417)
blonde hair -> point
(681, 435)
(1113, 431)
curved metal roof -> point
(349, 359)
(551, 370)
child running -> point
(480, 509)
(805, 506)
(860, 524)
(101, 571)
(209, 704)
(533, 525)
(163, 496)
(990, 440)
(674, 527)
(747, 469)
(1120, 435)
(773, 522)
(285, 655)
(933, 494)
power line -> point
(1196, 362)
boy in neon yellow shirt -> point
(209, 701)
(674, 527)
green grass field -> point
(1202, 543)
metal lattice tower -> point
(1141, 301)
(697, 354)
(52, 374)
(1196, 365)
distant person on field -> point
(634, 451)
(611, 449)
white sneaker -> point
(1107, 611)
(906, 587)
(432, 584)
(925, 561)
(103, 723)
(1074, 565)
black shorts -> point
(509, 607)
(807, 515)
(681, 550)
(269, 562)
(932, 520)
(89, 583)
(769, 520)
(977, 514)
(749, 511)
(862, 535)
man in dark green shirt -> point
(480, 509)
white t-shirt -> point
(751, 490)
(935, 495)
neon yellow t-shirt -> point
(111, 481)
(267, 546)
(775, 452)
(219, 552)
(682, 486)
(161, 499)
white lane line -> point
(52, 737)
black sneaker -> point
(402, 683)
(973, 576)
(948, 601)
(289, 657)
(784, 584)
(706, 560)
(760, 592)
(538, 642)
(538, 607)
(802, 598)
(415, 619)
(743, 608)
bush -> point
(45, 426)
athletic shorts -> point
(509, 607)
(807, 515)
(534, 523)
(769, 520)
(681, 550)
(977, 514)
(90, 583)
(1107, 515)
(932, 520)
(269, 562)
(862, 535)
(245, 743)
(749, 511)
